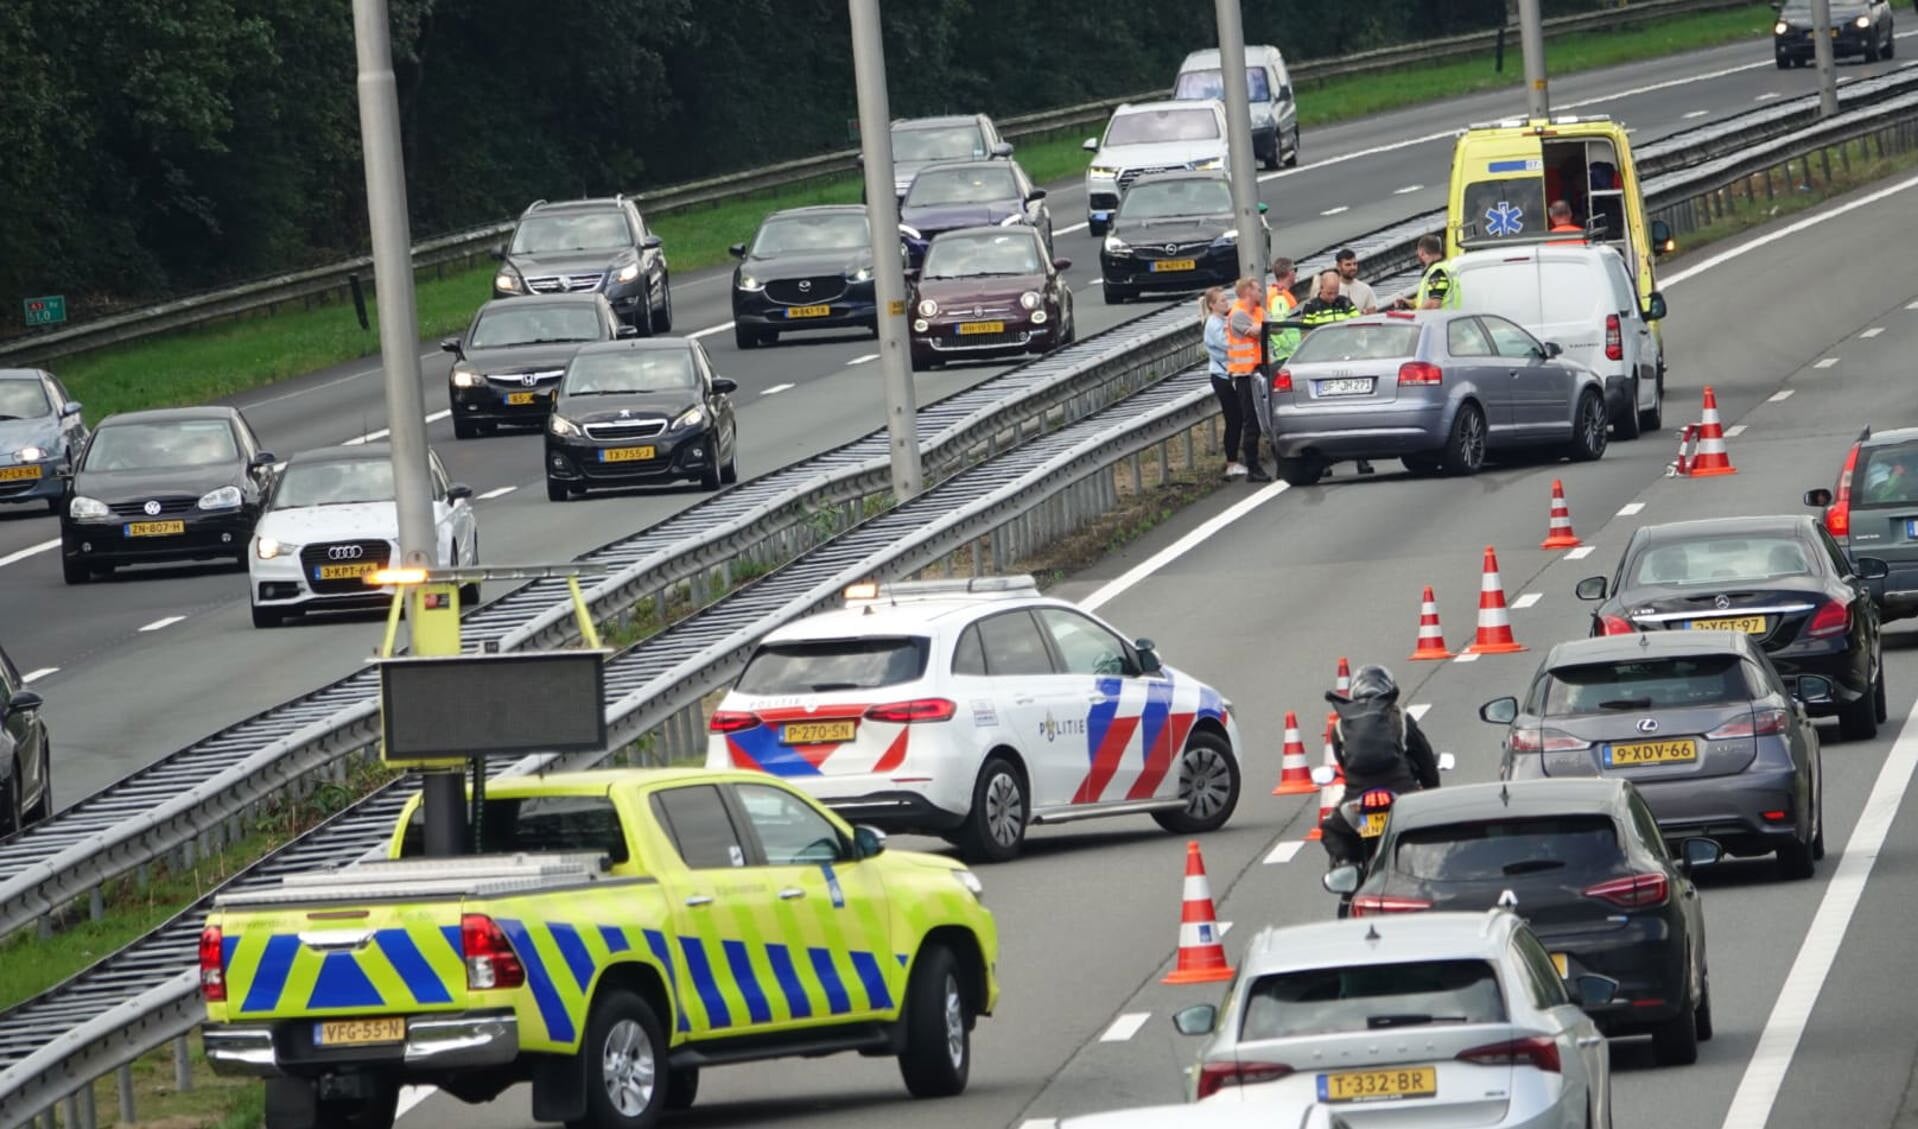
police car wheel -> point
(995, 828)
(938, 1022)
(624, 1064)
(1209, 785)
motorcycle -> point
(1367, 813)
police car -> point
(970, 709)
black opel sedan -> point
(175, 484)
(1781, 580)
(638, 413)
(513, 354)
(1173, 231)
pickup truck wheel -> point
(623, 1050)
(938, 1055)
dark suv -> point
(590, 246)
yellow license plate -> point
(19, 474)
(816, 732)
(1164, 265)
(967, 329)
(1373, 825)
(155, 528)
(808, 311)
(358, 1032)
(1652, 752)
(520, 399)
(626, 454)
(1563, 964)
(1379, 1085)
(1749, 624)
(346, 571)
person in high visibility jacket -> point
(1437, 288)
(1244, 351)
(1280, 340)
(1326, 306)
(1561, 216)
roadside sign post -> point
(48, 310)
(1238, 139)
(1531, 38)
(1821, 54)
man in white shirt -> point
(1352, 286)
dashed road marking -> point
(1696, 114)
(864, 359)
(1466, 657)
(498, 493)
(1912, 305)
(1826, 363)
(1873, 331)
(776, 389)
(35, 675)
(1734, 431)
(1418, 710)
(30, 550)
(1125, 1027)
(1630, 508)
(165, 621)
(1284, 852)
(1768, 96)
(708, 332)
(1781, 396)
(1337, 210)
(1580, 553)
(1527, 600)
(1039, 1123)
(1407, 190)
(1096, 282)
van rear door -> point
(1498, 187)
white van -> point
(1275, 116)
(1583, 298)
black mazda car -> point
(1781, 580)
(510, 361)
(590, 246)
(174, 484)
(806, 268)
(639, 413)
(1173, 231)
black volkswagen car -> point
(1782, 580)
(947, 197)
(1583, 862)
(806, 268)
(174, 484)
(590, 246)
(514, 353)
(638, 413)
(1173, 231)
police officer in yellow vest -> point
(1280, 340)
(1438, 288)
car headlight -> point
(971, 882)
(748, 282)
(1038, 317)
(464, 377)
(1863, 21)
(1231, 236)
(627, 273)
(1117, 246)
(508, 280)
(921, 325)
(1208, 165)
(560, 425)
(1103, 172)
(928, 307)
(693, 417)
(1031, 300)
(32, 454)
(225, 498)
(1780, 28)
(863, 274)
(83, 508)
(267, 548)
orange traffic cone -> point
(1712, 457)
(1201, 953)
(1431, 644)
(1295, 776)
(1559, 534)
(1328, 795)
(1494, 622)
(1342, 685)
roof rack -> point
(873, 592)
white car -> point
(971, 708)
(1150, 137)
(1421, 1019)
(331, 520)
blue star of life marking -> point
(1504, 218)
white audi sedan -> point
(331, 520)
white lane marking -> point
(1873, 331)
(1284, 852)
(497, 493)
(1912, 305)
(776, 389)
(1407, 190)
(709, 331)
(1527, 600)
(1757, 1091)
(1696, 114)
(1630, 508)
(1466, 657)
(165, 621)
(1768, 96)
(1337, 210)
(1039, 1123)
(1781, 396)
(1125, 1027)
(1734, 431)
(1826, 363)
(1418, 710)
(439, 415)
(30, 550)
(1097, 282)
(1581, 552)
(35, 675)
(864, 359)
(1789, 229)
(1113, 589)
(411, 1096)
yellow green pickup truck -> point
(620, 932)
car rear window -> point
(1643, 685)
(1719, 560)
(1504, 848)
(1369, 997)
(546, 824)
(1358, 343)
(1886, 476)
(820, 665)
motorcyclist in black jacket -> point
(1377, 746)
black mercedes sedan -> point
(1173, 231)
(174, 484)
(513, 354)
(639, 413)
(948, 197)
(806, 268)
(1781, 580)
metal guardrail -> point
(467, 246)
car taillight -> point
(732, 721)
(918, 709)
(1763, 722)
(1832, 619)
(212, 965)
(490, 959)
(1538, 1052)
(1614, 341)
(1214, 1075)
(1372, 904)
(1634, 891)
(1838, 514)
(1614, 625)
(1414, 373)
(1283, 381)
(1546, 741)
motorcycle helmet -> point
(1374, 682)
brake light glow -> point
(1763, 722)
(1614, 625)
(1838, 514)
(1419, 373)
(1373, 904)
(1539, 1052)
(1775, 816)
(1283, 382)
(916, 710)
(1614, 341)
(732, 721)
(1546, 741)
(212, 965)
(1215, 1075)
(490, 959)
(1832, 619)
(1634, 891)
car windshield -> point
(577, 231)
(805, 234)
(1840, 9)
(819, 665)
(520, 322)
(1719, 560)
(1358, 343)
(1176, 198)
(23, 399)
(334, 482)
(1886, 476)
(1644, 684)
(629, 371)
(970, 256)
(1371, 997)
(1501, 848)
(1210, 84)
(962, 186)
(154, 446)
(937, 143)
(1144, 127)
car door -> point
(1540, 391)
(24, 737)
(1122, 712)
(715, 901)
(1580, 1044)
(1470, 350)
(258, 479)
(826, 941)
(1033, 702)
(1641, 346)
(73, 425)
(448, 527)
(720, 405)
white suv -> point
(971, 708)
(1148, 138)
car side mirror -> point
(1590, 588)
(1700, 852)
(1552, 349)
(626, 331)
(70, 408)
(1090, 145)
(261, 461)
(652, 243)
(1655, 307)
(459, 492)
(26, 701)
(1594, 991)
(868, 842)
(1037, 194)
(1199, 1019)
(1819, 498)
(1285, 92)
(450, 345)
(1341, 880)
(1446, 762)
(1499, 711)
(1002, 149)
(725, 385)
(1148, 657)
(1062, 264)
(498, 252)
(1870, 568)
(1812, 689)
(737, 250)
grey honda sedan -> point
(1436, 389)
(1700, 721)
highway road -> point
(172, 650)
(1261, 589)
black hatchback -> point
(1781, 580)
(1584, 863)
(637, 413)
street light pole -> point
(888, 268)
(1821, 53)
(399, 355)
(1238, 137)
(1531, 38)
